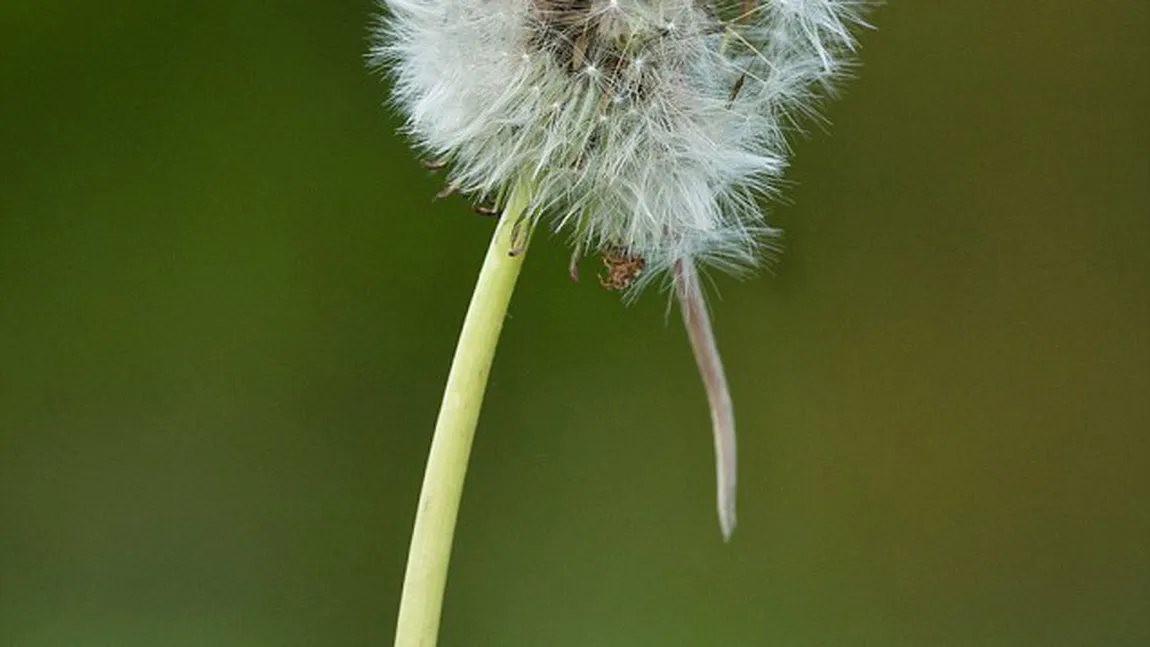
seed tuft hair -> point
(652, 126)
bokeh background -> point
(228, 304)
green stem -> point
(426, 577)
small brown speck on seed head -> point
(623, 268)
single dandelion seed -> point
(648, 131)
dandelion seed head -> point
(648, 128)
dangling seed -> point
(447, 190)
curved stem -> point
(426, 576)
(697, 320)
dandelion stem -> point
(426, 577)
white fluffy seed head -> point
(646, 127)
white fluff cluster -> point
(647, 128)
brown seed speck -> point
(623, 268)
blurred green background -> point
(228, 305)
